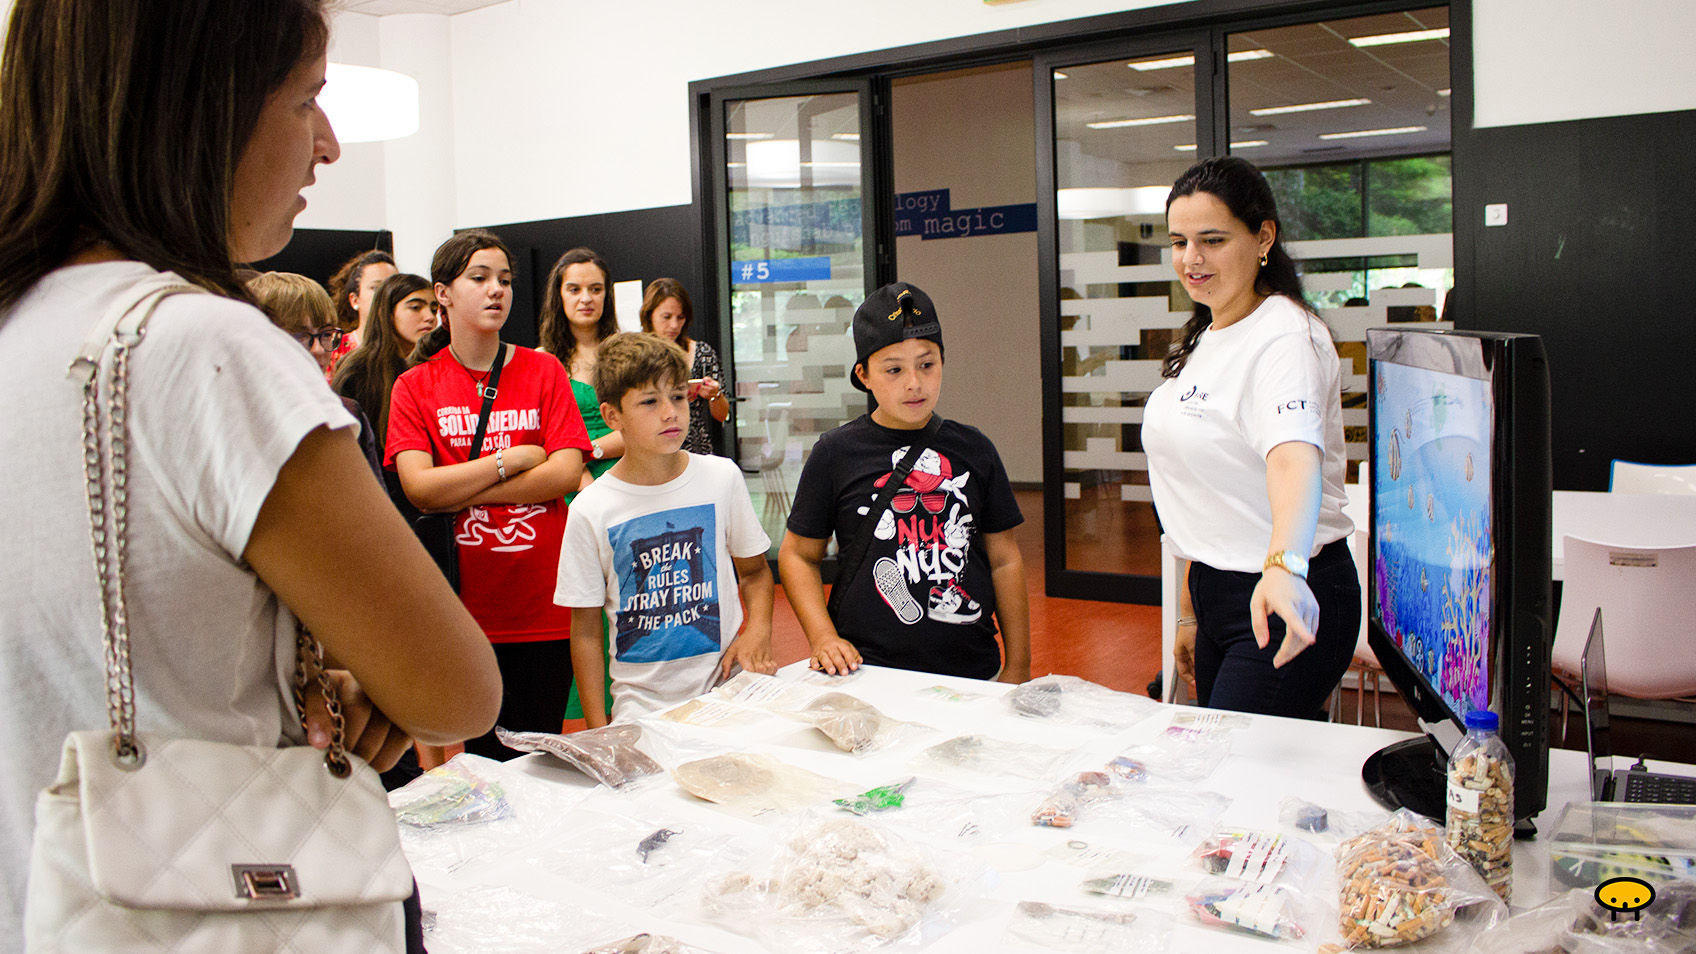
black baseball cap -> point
(891, 315)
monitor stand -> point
(1411, 775)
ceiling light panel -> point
(1148, 121)
(1308, 107)
(1359, 133)
(1388, 39)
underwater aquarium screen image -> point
(1431, 483)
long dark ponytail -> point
(1238, 184)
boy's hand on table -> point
(836, 656)
(751, 653)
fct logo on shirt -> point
(1297, 405)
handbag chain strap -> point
(107, 489)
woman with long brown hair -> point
(138, 136)
(577, 315)
(353, 288)
(667, 312)
(405, 308)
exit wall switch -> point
(1496, 214)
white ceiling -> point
(379, 8)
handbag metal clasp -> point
(265, 882)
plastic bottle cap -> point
(1484, 720)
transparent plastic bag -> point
(1401, 883)
(1157, 813)
(1264, 910)
(853, 725)
(949, 694)
(753, 784)
(1180, 754)
(646, 944)
(647, 862)
(934, 810)
(1261, 857)
(884, 798)
(982, 755)
(761, 691)
(494, 919)
(1209, 720)
(1132, 886)
(1318, 820)
(711, 714)
(1064, 805)
(837, 884)
(474, 808)
(462, 792)
(1075, 701)
(1574, 923)
(608, 755)
(1053, 927)
(1100, 860)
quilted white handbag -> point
(152, 844)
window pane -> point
(797, 274)
(1124, 129)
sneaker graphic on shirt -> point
(950, 604)
(892, 586)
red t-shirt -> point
(508, 555)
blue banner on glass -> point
(928, 215)
(758, 271)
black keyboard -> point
(1645, 788)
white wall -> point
(583, 107)
(350, 191)
(1540, 61)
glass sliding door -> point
(1124, 127)
(795, 255)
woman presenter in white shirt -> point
(1245, 455)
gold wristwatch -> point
(1287, 560)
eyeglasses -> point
(329, 340)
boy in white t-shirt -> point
(652, 542)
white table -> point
(1269, 759)
(1633, 520)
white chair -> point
(1628, 477)
(1643, 593)
(1365, 663)
(766, 459)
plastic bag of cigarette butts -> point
(1400, 883)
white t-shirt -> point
(1270, 378)
(219, 400)
(658, 559)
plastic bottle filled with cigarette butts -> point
(1480, 802)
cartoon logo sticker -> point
(1625, 896)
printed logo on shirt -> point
(930, 520)
(1297, 405)
(667, 580)
(1193, 403)
(457, 424)
(503, 529)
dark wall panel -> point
(644, 243)
(1599, 258)
(317, 253)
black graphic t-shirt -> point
(923, 598)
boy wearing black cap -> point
(940, 567)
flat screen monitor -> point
(1458, 569)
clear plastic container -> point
(1479, 819)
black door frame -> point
(876, 205)
(1053, 43)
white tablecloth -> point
(1271, 758)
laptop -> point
(1608, 784)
